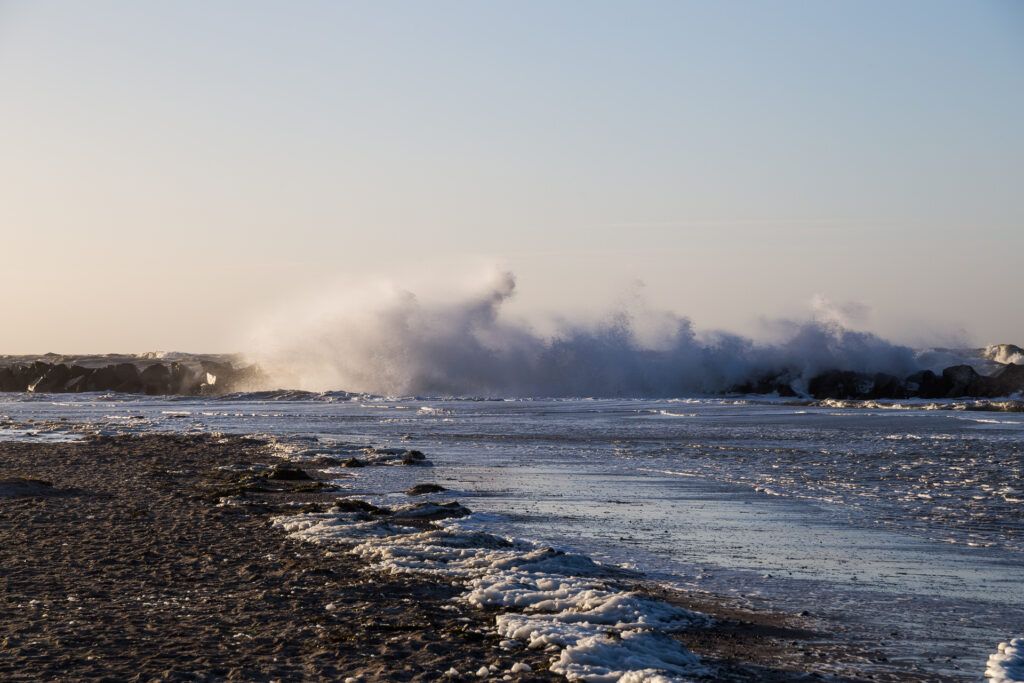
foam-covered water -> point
(902, 529)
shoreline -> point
(124, 565)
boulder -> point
(841, 384)
(429, 512)
(356, 505)
(925, 384)
(414, 457)
(962, 380)
(780, 384)
(156, 379)
(423, 489)
(54, 378)
(102, 379)
(8, 381)
(75, 384)
(888, 386)
(1007, 381)
(128, 379)
(288, 473)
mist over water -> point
(392, 342)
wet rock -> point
(423, 489)
(185, 380)
(102, 379)
(925, 384)
(156, 379)
(78, 380)
(9, 381)
(328, 461)
(959, 380)
(840, 384)
(888, 386)
(142, 376)
(288, 473)
(353, 462)
(1006, 382)
(780, 384)
(430, 512)
(356, 505)
(128, 378)
(53, 379)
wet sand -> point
(117, 562)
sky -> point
(173, 171)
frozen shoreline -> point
(538, 467)
(163, 474)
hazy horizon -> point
(177, 174)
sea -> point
(898, 526)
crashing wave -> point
(398, 345)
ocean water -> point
(900, 528)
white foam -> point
(633, 657)
(564, 602)
(391, 342)
(1006, 665)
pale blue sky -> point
(201, 161)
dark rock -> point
(841, 384)
(128, 379)
(327, 461)
(77, 377)
(102, 379)
(288, 473)
(432, 511)
(353, 462)
(422, 489)
(355, 505)
(156, 379)
(1007, 381)
(54, 378)
(185, 380)
(925, 384)
(786, 390)
(960, 380)
(780, 384)
(888, 386)
(8, 380)
(75, 384)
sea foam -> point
(1006, 665)
(566, 604)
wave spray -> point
(388, 341)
